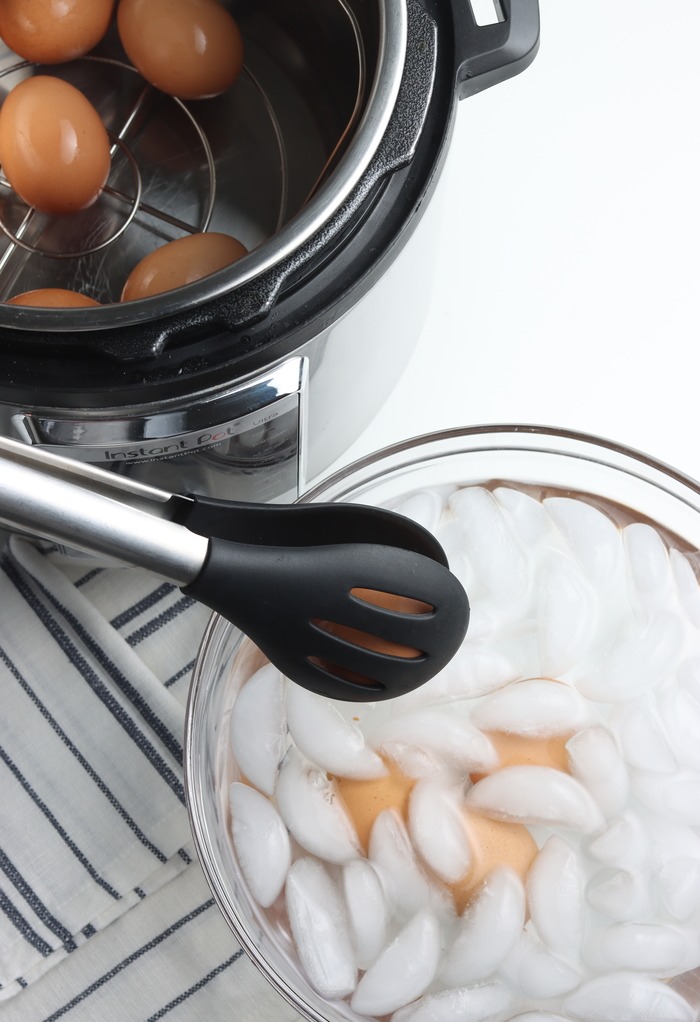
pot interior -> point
(245, 163)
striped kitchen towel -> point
(104, 912)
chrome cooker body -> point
(322, 159)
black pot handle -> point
(489, 54)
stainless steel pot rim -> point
(371, 127)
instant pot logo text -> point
(184, 444)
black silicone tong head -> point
(297, 579)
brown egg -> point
(377, 643)
(53, 31)
(191, 49)
(53, 298)
(181, 262)
(365, 800)
(54, 148)
(493, 843)
(517, 750)
(389, 601)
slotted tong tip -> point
(350, 601)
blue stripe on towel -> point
(74, 655)
(151, 627)
(129, 960)
(33, 795)
(177, 1001)
(24, 888)
(143, 605)
(92, 774)
(23, 927)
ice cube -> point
(419, 763)
(436, 826)
(410, 889)
(261, 842)
(368, 909)
(536, 795)
(450, 535)
(485, 668)
(486, 618)
(679, 713)
(324, 736)
(309, 803)
(595, 761)
(536, 707)
(320, 929)
(424, 507)
(675, 862)
(488, 930)
(443, 730)
(620, 894)
(555, 900)
(567, 614)
(593, 537)
(526, 516)
(531, 968)
(539, 1016)
(678, 886)
(623, 842)
(259, 728)
(641, 737)
(627, 997)
(649, 568)
(687, 587)
(488, 1001)
(499, 561)
(403, 970)
(669, 839)
(674, 795)
(644, 947)
(688, 676)
(476, 669)
(644, 657)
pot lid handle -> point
(489, 54)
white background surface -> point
(567, 288)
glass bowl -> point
(512, 456)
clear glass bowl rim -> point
(363, 471)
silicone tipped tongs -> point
(350, 601)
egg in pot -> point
(180, 262)
(53, 298)
(54, 31)
(54, 149)
(191, 49)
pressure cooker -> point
(323, 159)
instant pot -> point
(323, 159)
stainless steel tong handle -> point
(66, 501)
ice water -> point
(521, 835)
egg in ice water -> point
(54, 31)
(54, 149)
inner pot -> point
(268, 161)
(523, 457)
